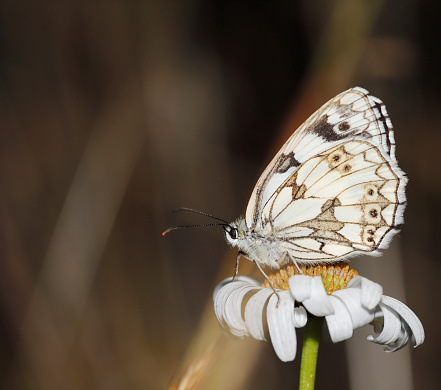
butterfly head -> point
(235, 232)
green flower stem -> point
(313, 330)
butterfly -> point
(333, 191)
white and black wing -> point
(334, 189)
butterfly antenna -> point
(199, 212)
(192, 226)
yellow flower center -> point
(334, 276)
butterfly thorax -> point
(258, 247)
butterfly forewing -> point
(350, 114)
(334, 189)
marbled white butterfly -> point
(333, 191)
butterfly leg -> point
(236, 267)
(295, 263)
(268, 280)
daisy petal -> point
(253, 313)
(401, 342)
(300, 286)
(391, 327)
(311, 292)
(340, 322)
(235, 315)
(351, 298)
(281, 326)
(219, 301)
(300, 317)
(228, 306)
(229, 280)
(412, 321)
(371, 292)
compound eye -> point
(233, 233)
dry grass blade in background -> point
(82, 231)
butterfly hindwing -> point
(340, 202)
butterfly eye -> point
(231, 231)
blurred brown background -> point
(113, 113)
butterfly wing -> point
(345, 200)
(334, 189)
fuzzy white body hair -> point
(264, 250)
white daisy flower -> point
(336, 292)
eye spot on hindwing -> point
(371, 192)
(372, 213)
(368, 235)
(345, 168)
(337, 157)
(344, 126)
(286, 161)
